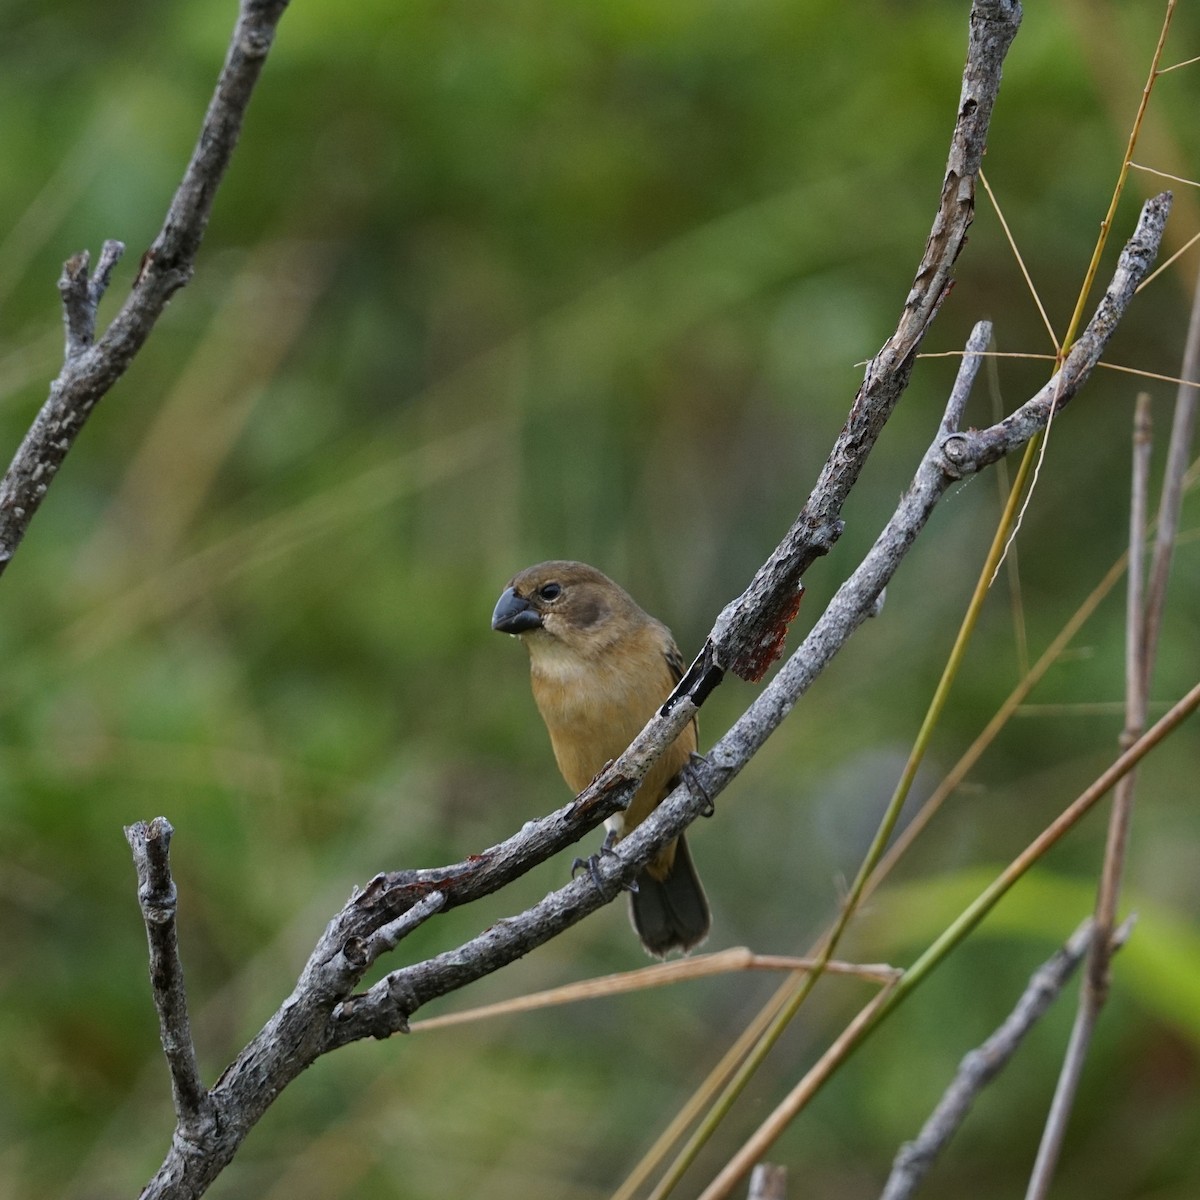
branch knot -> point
(957, 460)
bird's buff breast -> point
(592, 715)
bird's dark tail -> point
(670, 913)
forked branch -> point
(91, 367)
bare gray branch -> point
(81, 296)
(965, 453)
(151, 846)
(90, 367)
(371, 1014)
(321, 1014)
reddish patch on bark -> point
(768, 646)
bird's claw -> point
(592, 864)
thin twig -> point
(90, 367)
(387, 937)
(81, 296)
(983, 1064)
(1187, 62)
(1004, 488)
(151, 846)
(1137, 679)
(1094, 992)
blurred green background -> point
(488, 284)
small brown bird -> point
(600, 668)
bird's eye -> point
(550, 591)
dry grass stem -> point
(1104, 365)
(1168, 262)
(707, 1092)
(767, 1133)
(1164, 175)
(1187, 62)
(1191, 384)
(1095, 986)
(1145, 606)
(737, 958)
(1012, 243)
(1012, 704)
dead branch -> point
(90, 367)
(151, 846)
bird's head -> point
(562, 602)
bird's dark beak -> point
(514, 614)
